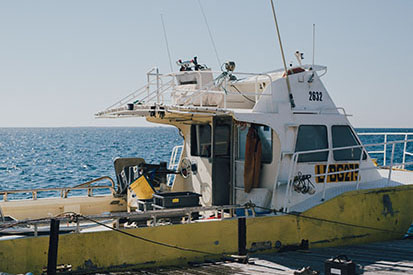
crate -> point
(340, 265)
(176, 199)
(145, 205)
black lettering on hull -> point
(346, 176)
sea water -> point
(64, 157)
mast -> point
(283, 57)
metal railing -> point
(363, 151)
(174, 163)
(160, 86)
(156, 216)
(385, 135)
(64, 191)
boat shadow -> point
(386, 257)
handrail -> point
(385, 135)
(173, 164)
(204, 88)
(131, 96)
(363, 150)
(63, 190)
(150, 214)
(96, 180)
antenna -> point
(167, 44)
(210, 34)
(313, 44)
(283, 57)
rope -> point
(145, 239)
(253, 101)
(3, 227)
(251, 205)
(74, 216)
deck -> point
(394, 257)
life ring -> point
(294, 71)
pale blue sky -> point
(62, 61)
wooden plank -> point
(389, 258)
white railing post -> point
(359, 170)
(404, 151)
(326, 176)
(148, 85)
(157, 85)
(256, 89)
(391, 164)
(294, 161)
(385, 149)
(225, 93)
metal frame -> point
(393, 165)
(165, 84)
(154, 215)
(64, 190)
(173, 163)
(384, 151)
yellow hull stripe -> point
(354, 217)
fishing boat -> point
(268, 163)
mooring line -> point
(147, 240)
(324, 220)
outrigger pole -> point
(209, 32)
(167, 44)
(283, 57)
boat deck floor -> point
(394, 257)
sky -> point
(63, 61)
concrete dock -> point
(394, 257)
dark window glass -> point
(222, 140)
(265, 135)
(343, 136)
(312, 137)
(201, 140)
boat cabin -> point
(273, 139)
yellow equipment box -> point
(142, 188)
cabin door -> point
(221, 160)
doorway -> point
(222, 148)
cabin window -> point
(312, 137)
(343, 136)
(265, 135)
(201, 140)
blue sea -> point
(63, 157)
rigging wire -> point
(167, 44)
(313, 44)
(209, 32)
